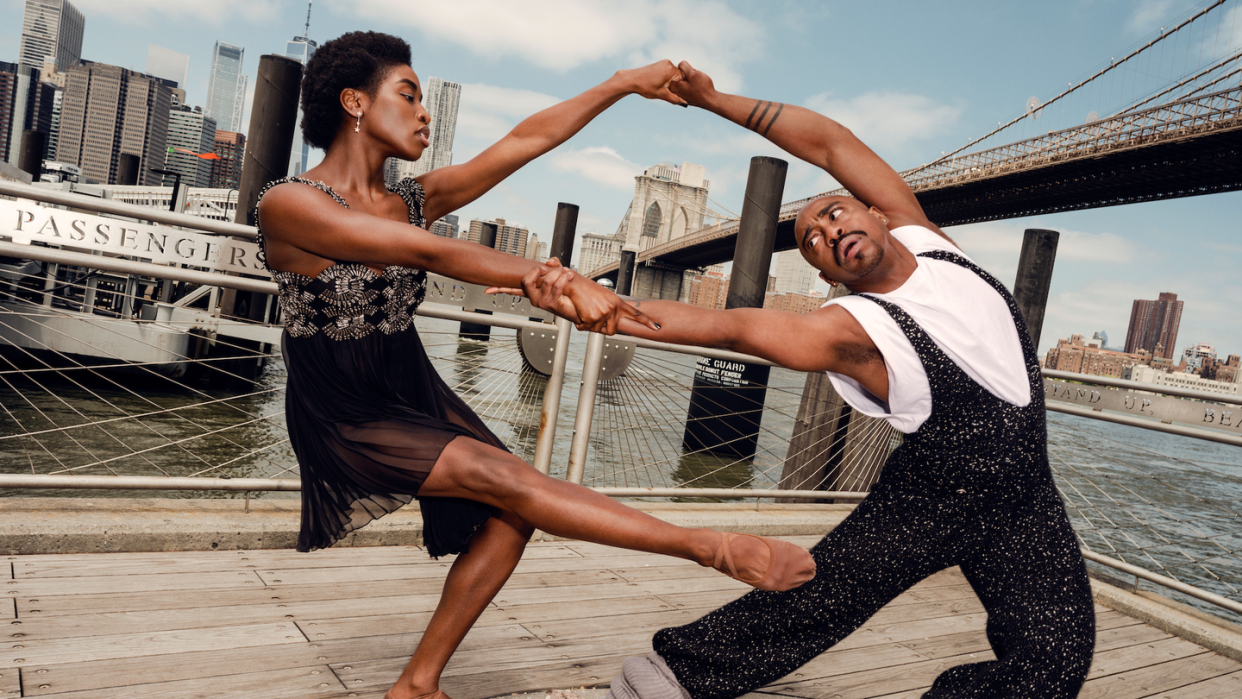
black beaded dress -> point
(367, 413)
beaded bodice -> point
(349, 300)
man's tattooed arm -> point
(762, 109)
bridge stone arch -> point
(669, 202)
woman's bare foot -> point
(762, 562)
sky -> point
(912, 79)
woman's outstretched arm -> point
(311, 221)
(450, 188)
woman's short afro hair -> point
(360, 60)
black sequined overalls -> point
(971, 487)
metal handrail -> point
(81, 201)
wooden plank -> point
(275, 684)
(1150, 680)
(539, 585)
(569, 568)
(10, 682)
(85, 648)
(1111, 662)
(871, 683)
(118, 672)
(268, 611)
(383, 671)
(44, 587)
(1221, 686)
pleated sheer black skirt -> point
(368, 419)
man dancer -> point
(937, 347)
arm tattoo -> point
(752, 115)
(779, 107)
(756, 124)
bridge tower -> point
(669, 202)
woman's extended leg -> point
(471, 469)
(475, 471)
(472, 582)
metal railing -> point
(1153, 509)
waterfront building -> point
(51, 29)
(709, 289)
(109, 110)
(1089, 357)
(190, 129)
(300, 48)
(669, 201)
(1196, 355)
(441, 98)
(1146, 374)
(794, 303)
(1154, 323)
(26, 102)
(230, 147)
(794, 275)
(510, 237)
(168, 64)
(597, 250)
(445, 227)
(226, 87)
(213, 203)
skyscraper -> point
(300, 48)
(510, 237)
(226, 88)
(794, 275)
(441, 98)
(51, 28)
(190, 129)
(107, 111)
(226, 172)
(1154, 325)
(168, 64)
(26, 102)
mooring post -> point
(479, 331)
(627, 270)
(726, 401)
(273, 117)
(563, 232)
(1030, 289)
(127, 169)
(30, 158)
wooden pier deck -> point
(276, 624)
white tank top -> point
(961, 313)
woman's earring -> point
(358, 123)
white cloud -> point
(486, 113)
(887, 121)
(564, 35)
(1149, 15)
(599, 163)
(216, 12)
(996, 246)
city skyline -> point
(907, 102)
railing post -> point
(1030, 290)
(726, 401)
(552, 398)
(586, 408)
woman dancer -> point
(372, 423)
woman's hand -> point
(586, 304)
(653, 81)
